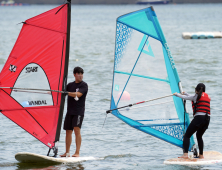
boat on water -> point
(152, 2)
(12, 3)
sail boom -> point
(29, 89)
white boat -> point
(11, 3)
(152, 2)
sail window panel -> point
(145, 89)
(160, 114)
(119, 83)
(139, 50)
(32, 76)
(151, 62)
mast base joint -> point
(194, 150)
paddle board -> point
(25, 157)
(210, 157)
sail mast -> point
(64, 80)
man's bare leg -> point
(78, 141)
(68, 142)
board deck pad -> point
(210, 157)
(26, 157)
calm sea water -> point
(92, 47)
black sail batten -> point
(58, 131)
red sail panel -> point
(36, 61)
(50, 19)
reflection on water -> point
(77, 166)
(21, 166)
(74, 166)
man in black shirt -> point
(77, 92)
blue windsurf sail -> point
(144, 69)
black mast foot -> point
(195, 153)
(55, 150)
(49, 151)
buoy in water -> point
(201, 35)
(125, 96)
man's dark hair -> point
(78, 70)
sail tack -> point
(144, 69)
(38, 60)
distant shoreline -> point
(109, 2)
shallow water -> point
(92, 47)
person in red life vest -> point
(201, 120)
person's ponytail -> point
(199, 93)
(199, 90)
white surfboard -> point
(26, 157)
(210, 157)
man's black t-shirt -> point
(77, 107)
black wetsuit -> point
(199, 124)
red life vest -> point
(202, 105)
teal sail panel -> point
(144, 69)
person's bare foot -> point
(201, 157)
(65, 155)
(184, 156)
(75, 155)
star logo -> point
(12, 68)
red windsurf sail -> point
(39, 60)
